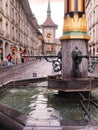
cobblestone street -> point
(26, 70)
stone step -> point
(61, 128)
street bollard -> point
(34, 74)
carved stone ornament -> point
(75, 23)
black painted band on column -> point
(76, 8)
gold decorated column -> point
(75, 25)
(74, 36)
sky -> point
(39, 8)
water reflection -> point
(44, 106)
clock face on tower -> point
(48, 35)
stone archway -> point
(28, 52)
(14, 54)
(1, 50)
(17, 55)
(7, 49)
(1, 43)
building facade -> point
(51, 44)
(18, 30)
(92, 22)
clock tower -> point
(48, 31)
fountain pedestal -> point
(73, 84)
(74, 73)
(67, 62)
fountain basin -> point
(73, 84)
(45, 108)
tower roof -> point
(49, 22)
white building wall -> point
(92, 22)
(17, 28)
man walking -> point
(9, 58)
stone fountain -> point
(74, 72)
(74, 42)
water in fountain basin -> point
(42, 105)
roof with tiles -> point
(29, 13)
(49, 22)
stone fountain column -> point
(74, 36)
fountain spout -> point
(77, 59)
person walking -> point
(9, 58)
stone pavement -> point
(41, 68)
(25, 70)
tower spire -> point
(49, 22)
(48, 9)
